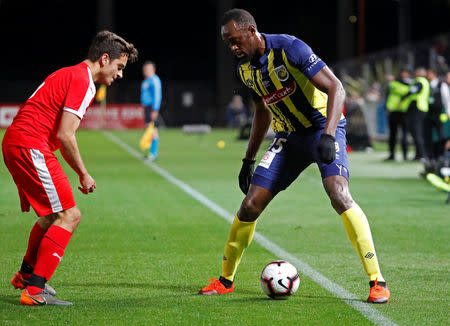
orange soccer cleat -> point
(41, 299)
(216, 287)
(19, 282)
(379, 292)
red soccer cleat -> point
(216, 287)
(379, 292)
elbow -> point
(62, 137)
(340, 91)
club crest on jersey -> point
(281, 72)
(250, 83)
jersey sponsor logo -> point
(280, 94)
(281, 72)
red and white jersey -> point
(36, 124)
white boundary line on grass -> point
(352, 300)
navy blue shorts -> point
(291, 153)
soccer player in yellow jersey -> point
(300, 96)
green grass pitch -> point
(144, 247)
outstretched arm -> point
(69, 150)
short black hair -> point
(240, 16)
(113, 45)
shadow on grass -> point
(9, 300)
(305, 299)
(137, 285)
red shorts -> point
(40, 180)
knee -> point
(45, 221)
(249, 210)
(72, 217)
(76, 217)
(340, 197)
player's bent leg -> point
(21, 278)
(240, 237)
(52, 250)
(359, 233)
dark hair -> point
(240, 16)
(113, 45)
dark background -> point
(183, 37)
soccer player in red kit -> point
(46, 122)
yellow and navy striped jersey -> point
(282, 81)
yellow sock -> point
(241, 234)
(358, 231)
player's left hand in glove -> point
(326, 148)
(246, 174)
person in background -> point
(151, 96)
(236, 112)
(433, 125)
(445, 117)
(396, 116)
(415, 102)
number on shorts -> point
(277, 145)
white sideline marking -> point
(349, 298)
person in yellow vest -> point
(396, 116)
(415, 102)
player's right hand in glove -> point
(246, 174)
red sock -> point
(36, 235)
(50, 252)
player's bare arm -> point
(327, 82)
(261, 122)
(69, 150)
(154, 115)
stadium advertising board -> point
(113, 116)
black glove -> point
(326, 148)
(246, 174)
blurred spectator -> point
(396, 116)
(445, 118)
(416, 104)
(357, 133)
(432, 122)
(236, 112)
(441, 65)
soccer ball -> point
(279, 279)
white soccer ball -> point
(279, 279)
